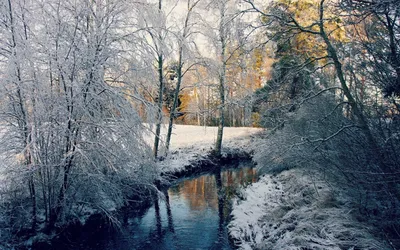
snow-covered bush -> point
(322, 137)
(71, 140)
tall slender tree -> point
(160, 63)
(183, 44)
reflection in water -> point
(201, 192)
(169, 213)
(190, 215)
(221, 203)
(197, 210)
(157, 214)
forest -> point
(88, 88)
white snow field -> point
(198, 136)
(193, 142)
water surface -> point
(191, 214)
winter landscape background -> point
(106, 104)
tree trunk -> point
(221, 108)
(374, 148)
(179, 73)
(221, 88)
(339, 72)
(160, 104)
(174, 105)
(22, 116)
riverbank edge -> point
(209, 162)
(198, 165)
(297, 209)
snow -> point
(246, 215)
(189, 136)
(190, 143)
(293, 210)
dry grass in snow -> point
(294, 211)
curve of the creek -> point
(191, 214)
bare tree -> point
(344, 121)
(158, 34)
(69, 125)
(183, 46)
(318, 28)
(221, 33)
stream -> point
(192, 214)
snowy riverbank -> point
(296, 209)
(193, 143)
(293, 209)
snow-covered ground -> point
(296, 211)
(292, 210)
(198, 136)
(193, 142)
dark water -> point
(192, 214)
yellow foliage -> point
(306, 13)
